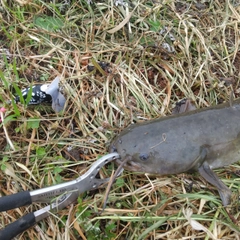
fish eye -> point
(143, 156)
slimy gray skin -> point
(199, 140)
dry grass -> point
(40, 40)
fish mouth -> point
(130, 165)
(112, 148)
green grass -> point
(40, 40)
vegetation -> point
(118, 64)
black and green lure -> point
(45, 93)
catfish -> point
(197, 140)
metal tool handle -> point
(13, 229)
(29, 220)
(15, 200)
(66, 192)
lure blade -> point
(58, 99)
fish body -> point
(198, 140)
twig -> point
(6, 133)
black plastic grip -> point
(19, 226)
(15, 200)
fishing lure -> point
(39, 94)
(58, 99)
(45, 93)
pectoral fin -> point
(211, 177)
(199, 160)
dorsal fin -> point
(185, 105)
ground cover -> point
(119, 62)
